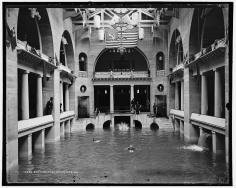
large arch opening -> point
(107, 125)
(176, 54)
(195, 32)
(111, 60)
(90, 127)
(154, 126)
(213, 28)
(34, 35)
(66, 51)
(34, 29)
(205, 29)
(137, 124)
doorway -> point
(122, 99)
(160, 100)
(83, 107)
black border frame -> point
(154, 4)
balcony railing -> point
(66, 115)
(179, 114)
(178, 67)
(66, 71)
(31, 53)
(122, 74)
(208, 122)
(30, 126)
(213, 49)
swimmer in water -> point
(96, 141)
(131, 148)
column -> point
(131, 92)
(176, 96)
(39, 140)
(113, 121)
(204, 95)
(62, 129)
(201, 131)
(61, 95)
(111, 99)
(218, 94)
(71, 123)
(25, 96)
(181, 127)
(177, 125)
(131, 97)
(131, 121)
(66, 97)
(217, 144)
(67, 126)
(25, 146)
(182, 95)
(39, 96)
(202, 140)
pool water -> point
(102, 156)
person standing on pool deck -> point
(49, 106)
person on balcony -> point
(132, 103)
(137, 107)
(49, 106)
(61, 110)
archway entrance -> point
(122, 98)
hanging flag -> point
(127, 38)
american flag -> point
(127, 38)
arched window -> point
(62, 53)
(160, 61)
(82, 62)
(176, 55)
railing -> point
(178, 67)
(160, 72)
(179, 114)
(219, 43)
(30, 126)
(64, 68)
(208, 122)
(23, 45)
(64, 116)
(82, 74)
(125, 74)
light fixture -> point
(64, 40)
(105, 91)
(137, 90)
(82, 59)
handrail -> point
(66, 114)
(23, 45)
(119, 74)
(25, 125)
(178, 113)
(208, 120)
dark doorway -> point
(102, 98)
(142, 96)
(122, 119)
(161, 105)
(121, 98)
(83, 107)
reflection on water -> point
(102, 157)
